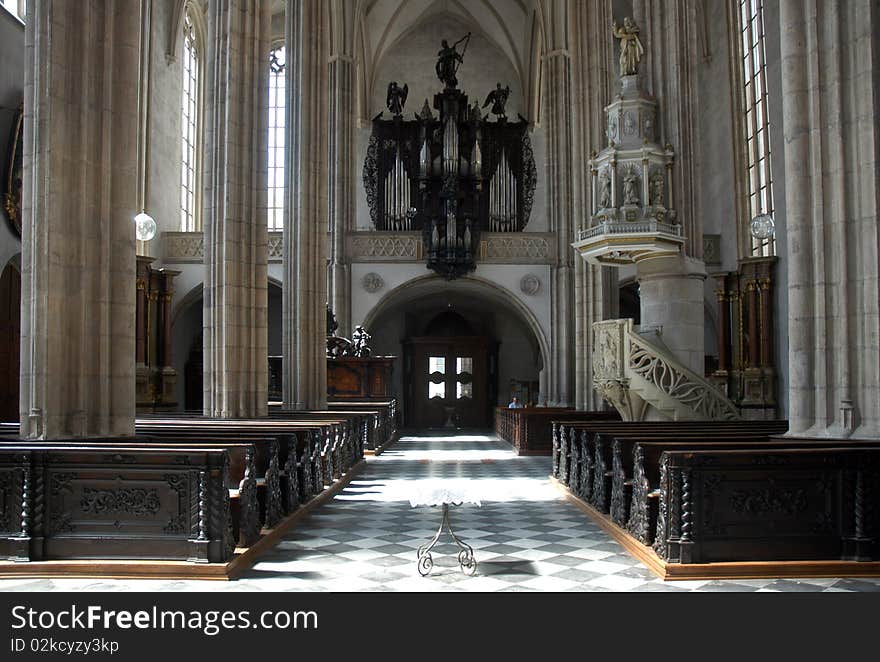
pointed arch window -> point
(17, 8)
(755, 122)
(191, 126)
(277, 124)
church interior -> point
(440, 295)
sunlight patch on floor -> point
(451, 455)
(486, 489)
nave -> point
(526, 536)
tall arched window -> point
(17, 8)
(752, 70)
(191, 124)
(277, 123)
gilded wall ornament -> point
(530, 284)
(372, 282)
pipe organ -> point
(450, 176)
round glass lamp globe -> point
(762, 226)
(145, 227)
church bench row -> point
(340, 444)
(361, 425)
(566, 433)
(529, 430)
(327, 449)
(304, 451)
(627, 464)
(262, 484)
(377, 430)
(585, 457)
(385, 424)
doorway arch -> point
(491, 312)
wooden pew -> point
(349, 438)
(567, 433)
(246, 484)
(299, 451)
(530, 430)
(83, 501)
(613, 460)
(386, 418)
(646, 456)
(331, 462)
(769, 505)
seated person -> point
(515, 403)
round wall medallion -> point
(372, 282)
(530, 284)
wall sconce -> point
(145, 227)
(762, 227)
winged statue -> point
(396, 98)
(498, 99)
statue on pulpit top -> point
(631, 49)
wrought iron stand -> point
(465, 555)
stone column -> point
(557, 74)
(723, 324)
(79, 199)
(672, 303)
(165, 315)
(342, 185)
(672, 288)
(306, 212)
(829, 105)
(168, 374)
(668, 34)
(236, 235)
(595, 288)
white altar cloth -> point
(439, 492)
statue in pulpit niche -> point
(604, 191)
(630, 189)
(657, 190)
(631, 49)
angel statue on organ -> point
(396, 98)
(498, 99)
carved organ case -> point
(449, 176)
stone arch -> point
(473, 285)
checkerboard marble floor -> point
(525, 535)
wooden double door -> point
(450, 381)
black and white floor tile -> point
(525, 535)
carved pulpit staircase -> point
(644, 381)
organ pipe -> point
(502, 198)
(397, 197)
